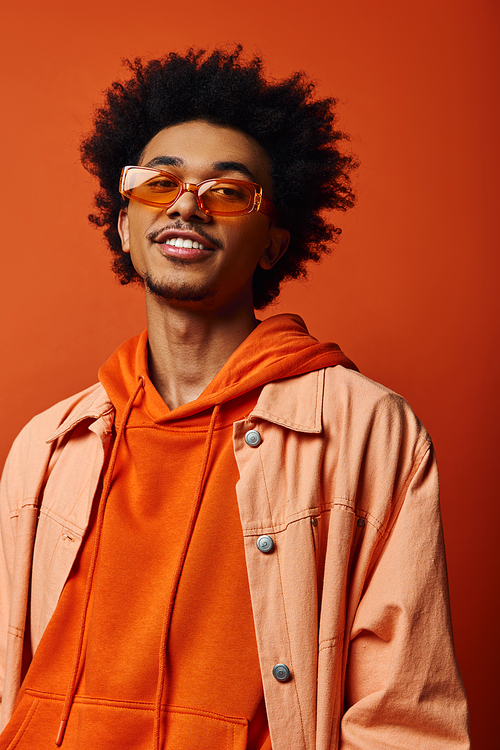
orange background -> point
(410, 293)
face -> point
(218, 273)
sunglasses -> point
(216, 197)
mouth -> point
(179, 242)
(184, 244)
(184, 239)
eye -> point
(226, 191)
(229, 192)
(161, 184)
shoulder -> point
(369, 392)
(336, 398)
(365, 438)
(33, 446)
(89, 403)
(354, 398)
(361, 421)
(353, 413)
(375, 429)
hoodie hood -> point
(279, 347)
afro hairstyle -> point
(309, 172)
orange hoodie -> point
(154, 631)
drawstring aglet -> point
(60, 735)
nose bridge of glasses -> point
(187, 187)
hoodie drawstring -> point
(70, 693)
(168, 612)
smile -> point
(179, 242)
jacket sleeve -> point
(7, 551)
(19, 487)
(403, 686)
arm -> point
(19, 487)
(8, 520)
(403, 687)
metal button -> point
(281, 672)
(314, 521)
(253, 438)
(265, 544)
(361, 521)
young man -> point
(233, 540)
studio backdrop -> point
(411, 291)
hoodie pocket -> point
(107, 725)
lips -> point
(183, 245)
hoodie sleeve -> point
(403, 686)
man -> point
(233, 540)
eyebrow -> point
(233, 166)
(218, 166)
(165, 161)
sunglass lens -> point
(226, 197)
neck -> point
(187, 347)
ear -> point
(124, 230)
(279, 239)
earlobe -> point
(123, 230)
(277, 247)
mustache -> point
(153, 236)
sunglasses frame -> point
(260, 200)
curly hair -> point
(309, 172)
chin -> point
(181, 292)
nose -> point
(186, 207)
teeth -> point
(179, 242)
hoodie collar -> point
(296, 403)
(280, 349)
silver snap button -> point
(265, 544)
(253, 438)
(361, 521)
(314, 521)
(281, 672)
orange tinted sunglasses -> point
(215, 197)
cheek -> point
(249, 238)
(136, 248)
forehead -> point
(201, 144)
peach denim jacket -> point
(352, 598)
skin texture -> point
(199, 308)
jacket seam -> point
(314, 511)
(29, 502)
(49, 513)
(328, 643)
(16, 632)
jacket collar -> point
(296, 403)
(94, 404)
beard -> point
(180, 292)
